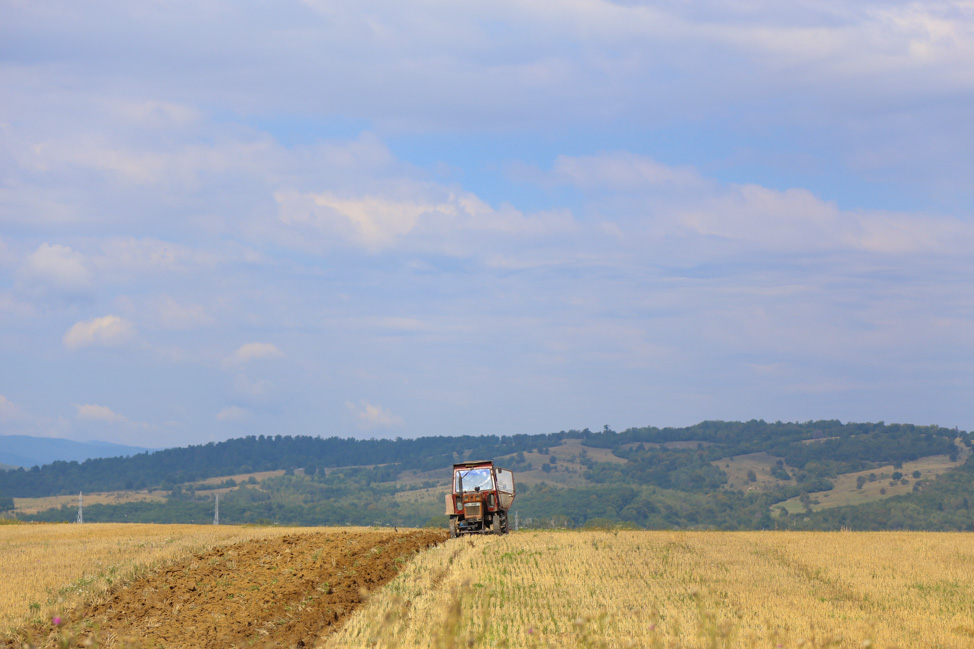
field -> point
(34, 505)
(738, 467)
(182, 585)
(878, 485)
(216, 585)
(680, 589)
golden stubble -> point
(678, 589)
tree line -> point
(659, 486)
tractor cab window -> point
(505, 481)
(472, 479)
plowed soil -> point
(282, 592)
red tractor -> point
(482, 494)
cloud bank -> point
(488, 217)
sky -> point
(397, 219)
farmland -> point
(236, 586)
(682, 589)
(44, 565)
(183, 586)
(34, 505)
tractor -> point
(482, 494)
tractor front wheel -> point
(495, 525)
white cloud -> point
(145, 166)
(257, 390)
(252, 351)
(156, 114)
(6, 258)
(107, 331)
(621, 171)
(234, 414)
(58, 268)
(94, 412)
(795, 220)
(371, 221)
(9, 411)
(432, 218)
(168, 313)
(10, 306)
(681, 216)
(368, 416)
(127, 256)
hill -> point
(727, 475)
(28, 451)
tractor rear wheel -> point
(453, 528)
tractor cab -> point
(481, 496)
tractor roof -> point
(471, 465)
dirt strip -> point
(281, 592)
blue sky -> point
(383, 219)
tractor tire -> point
(453, 528)
(495, 525)
(505, 527)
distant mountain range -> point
(27, 451)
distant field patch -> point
(35, 505)
(876, 484)
(741, 468)
(239, 477)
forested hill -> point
(819, 450)
(174, 466)
(714, 475)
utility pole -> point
(81, 516)
(216, 511)
(515, 520)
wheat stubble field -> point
(179, 586)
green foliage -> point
(820, 448)
(174, 466)
(670, 478)
(668, 469)
(943, 504)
